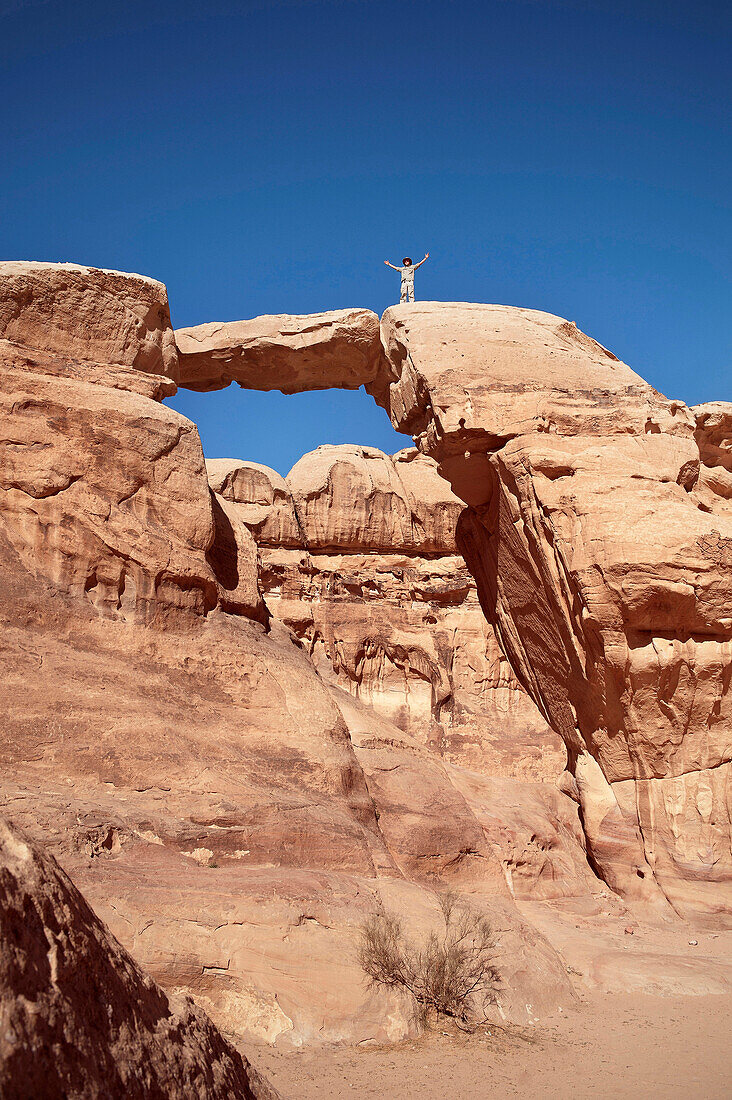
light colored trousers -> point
(407, 294)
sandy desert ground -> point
(626, 1046)
(654, 1041)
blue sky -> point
(267, 157)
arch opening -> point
(277, 429)
(357, 556)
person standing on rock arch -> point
(407, 273)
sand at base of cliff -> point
(624, 1046)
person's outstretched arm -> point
(426, 257)
(391, 266)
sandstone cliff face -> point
(78, 1018)
(358, 559)
(713, 434)
(228, 813)
(606, 575)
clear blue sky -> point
(267, 157)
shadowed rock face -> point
(77, 1015)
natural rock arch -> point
(226, 745)
(598, 529)
(228, 814)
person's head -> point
(407, 261)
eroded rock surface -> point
(88, 315)
(340, 349)
(79, 1018)
(713, 490)
(358, 559)
(607, 577)
(534, 830)
(105, 489)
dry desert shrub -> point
(450, 973)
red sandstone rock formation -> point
(78, 1018)
(233, 814)
(230, 815)
(603, 567)
(358, 558)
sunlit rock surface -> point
(88, 315)
(341, 348)
(604, 566)
(231, 815)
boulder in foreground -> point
(78, 1018)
